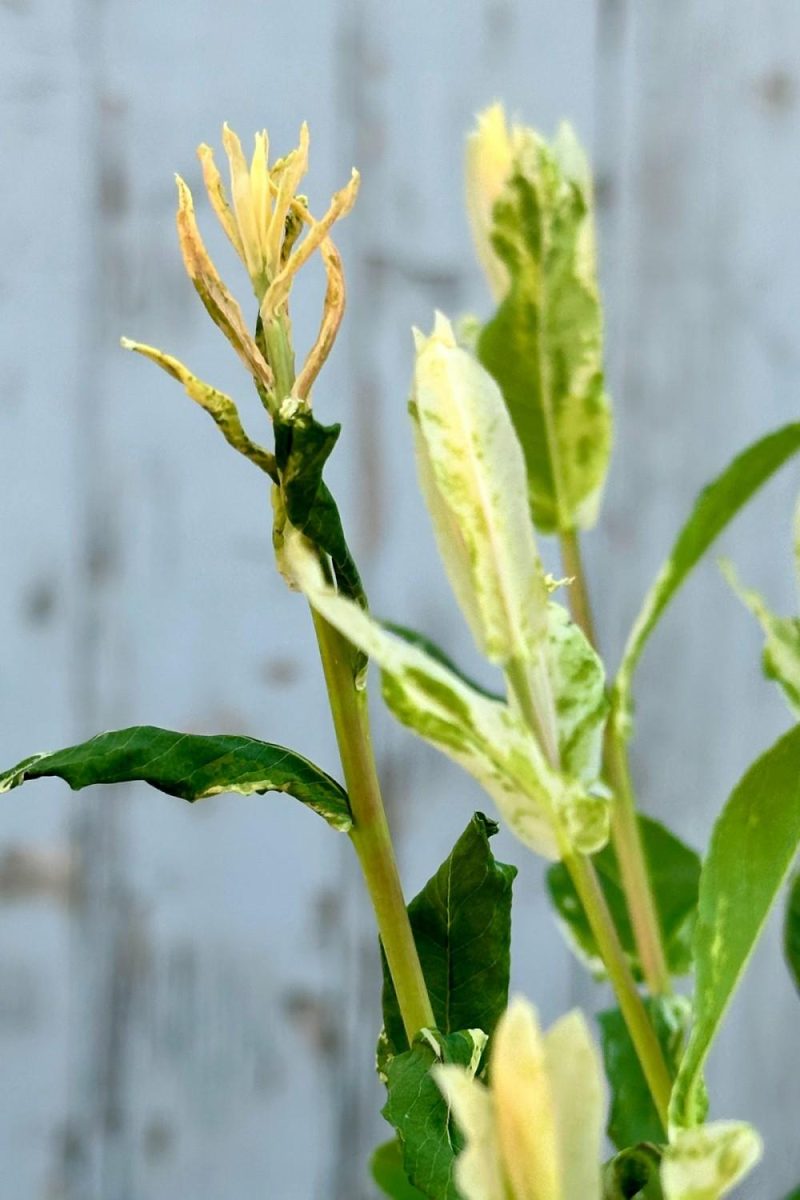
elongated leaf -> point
(484, 736)
(634, 1174)
(386, 1168)
(632, 1116)
(544, 345)
(714, 508)
(674, 874)
(302, 447)
(791, 931)
(752, 848)
(416, 1108)
(781, 658)
(706, 1162)
(472, 476)
(462, 928)
(191, 766)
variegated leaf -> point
(706, 1162)
(781, 658)
(544, 345)
(482, 735)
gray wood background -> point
(188, 997)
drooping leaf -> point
(544, 344)
(484, 736)
(706, 1162)
(632, 1116)
(791, 931)
(634, 1174)
(190, 766)
(462, 928)
(781, 657)
(417, 1110)
(752, 848)
(714, 508)
(302, 447)
(472, 476)
(386, 1168)
(674, 874)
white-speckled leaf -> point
(482, 735)
(544, 346)
(472, 475)
(781, 658)
(705, 1163)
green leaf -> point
(781, 658)
(632, 1116)
(634, 1174)
(752, 847)
(714, 508)
(416, 1108)
(544, 345)
(429, 647)
(302, 447)
(674, 875)
(791, 931)
(191, 766)
(462, 928)
(386, 1168)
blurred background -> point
(188, 996)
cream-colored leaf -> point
(242, 193)
(471, 456)
(219, 198)
(576, 1079)
(781, 658)
(706, 1162)
(220, 304)
(478, 1173)
(332, 314)
(491, 148)
(525, 1106)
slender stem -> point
(634, 1012)
(592, 897)
(625, 833)
(370, 833)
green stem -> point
(587, 885)
(370, 833)
(625, 833)
(633, 1010)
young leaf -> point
(302, 447)
(416, 1108)
(544, 345)
(781, 658)
(706, 1162)
(634, 1174)
(191, 766)
(484, 736)
(462, 928)
(386, 1168)
(714, 508)
(791, 931)
(472, 476)
(632, 1116)
(675, 875)
(752, 848)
